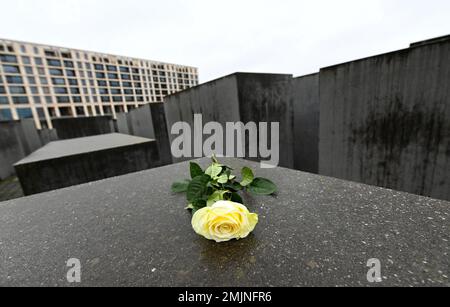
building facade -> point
(43, 82)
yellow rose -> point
(224, 221)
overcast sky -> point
(222, 37)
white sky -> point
(222, 37)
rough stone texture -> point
(140, 122)
(306, 123)
(132, 231)
(385, 120)
(77, 127)
(17, 140)
(10, 189)
(161, 132)
(71, 162)
(238, 97)
(148, 121)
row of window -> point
(69, 99)
(5, 58)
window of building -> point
(60, 90)
(62, 99)
(34, 90)
(40, 112)
(43, 80)
(14, 80)
(5, 114)
(24, 113)
(99, 66)
(58, 81)
(26, 60)
(100, 75)
(4, 100)
(80, 111)
(37, 99)
(70, 73)
(20, 100)
(29, 70)
(2, 90)
(74, 90)
(76, 99)
(17, 90)
(116, 91)
(113, 76)
(73, 82)
(11, 69)
(5, 58)
(111, 68)
(51, 62)
(103, 91)
(35, 50)
(114, 83)
(68, 64)
(55, 72)
(125, 77)
(102, 83)
(41, 71)
(50, 53)
(48, 99)
(31, 80)
(124, 69)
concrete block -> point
(318, 231)
(77, 127)
(70, 162)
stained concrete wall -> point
(241, 97)
(147, 121)
(17, 140)
(385, 120)
(306, 123)
(140, 122)
(161, 132)
(77, 127)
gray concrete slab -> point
(132, 231)
(72, 147)
(70, 162)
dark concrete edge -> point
(235, 74)
(84, 153)
(404, 50)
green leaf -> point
(223, 179)
(196, 170)
(234, 187)
(247, 176)
(235, 197)
(198, 189)
(180, 187)
(214, 170)
(262, 186)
